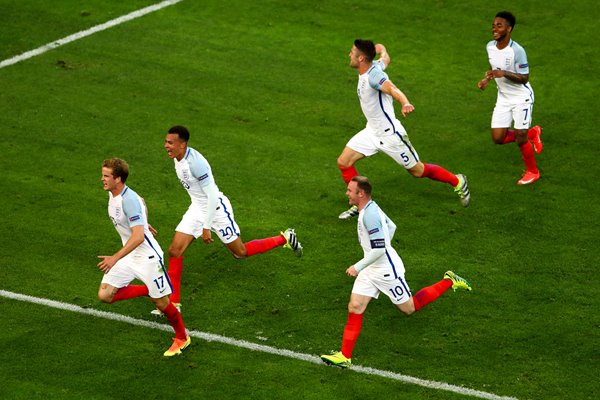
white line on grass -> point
(88, 32)
(209, 337)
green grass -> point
(267, 94)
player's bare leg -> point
(499, 135)
(237, 248)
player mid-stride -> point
(209, 212)
(384, 132)
(514, 104)
(140, 257)
(380, 271)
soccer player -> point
(383, 131)
(140, 257)
(514, 104)
(209, 212)
(380, 271)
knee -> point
(355, 307)
(408, 307)
(408, 311)
(418, 170)
(415, 173)
(239, 252)
(161, 303)
(521, 136)
(343, 163)
(175, 251)
(105, 296)
(498, 140)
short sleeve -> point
(376, 75)
(132, 209)
(200, 170)
(373, 225)
(521, 64)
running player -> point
(209, 212)
(381, 270)
(514, 104)
(140, 257)
(384, 132)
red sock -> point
(438, 173)
(348, 173)
(529, 157)
(351, 332)
(510, 137)
(531, 132)
(175, 270)
(130, 291)
(174, 317)
(431, 293)
(258, 246)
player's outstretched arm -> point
(388, 87)
(383, 54)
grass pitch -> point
(270, 100)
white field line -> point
(88, 32)
(209, 337)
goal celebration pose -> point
(140, 257)
(383, 131)
(210, 211)
(381, 270)
(510, 70)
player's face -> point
(354, 55)
(175, 146)
(353, 193)
(500, 29)
(109, 182)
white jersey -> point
(375, 231)
(512, 58)
(377, 106)
(127, 210)
(195, 175)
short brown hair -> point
(367, 47)
(363, 184)
(120, 168)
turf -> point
(270, 100)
